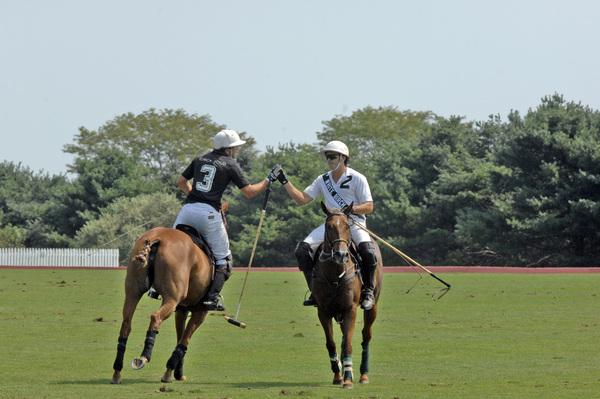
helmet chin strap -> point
(230, 151)
(339, 163)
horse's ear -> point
(348, 208)
(325, 209)
(225, 206)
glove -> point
(282, 177)
(274, 173)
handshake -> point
(277, 173)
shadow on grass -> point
(106, 381)
(268, 385)
(191, 384)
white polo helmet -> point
(335, 146)
(226, 139)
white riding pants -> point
(209, 223)
(317, 236)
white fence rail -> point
(59, 257)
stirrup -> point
(311, 301)
(215, 304)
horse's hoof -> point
(364, 379)
(138, 362)
(182, 378)
(166, 378)
(337, 379)
(116, 379)
(348, 385)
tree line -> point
(447, 191)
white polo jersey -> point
(351, 187)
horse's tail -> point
(147, 250)
(145, 258)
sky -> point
(277, 69)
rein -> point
(342, 278)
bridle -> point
(350, 267)
(330, 242)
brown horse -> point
(337, 287)
(181, 272)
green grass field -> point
(491, 336)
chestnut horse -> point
(181, 272)
(337, 287)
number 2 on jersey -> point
(345, 184)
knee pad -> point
(366, 250)
(303, 254)
(224, 266)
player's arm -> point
(363, 209)
(252, 190)
(300, 197)
(184, 184)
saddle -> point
(199, 241)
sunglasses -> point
(331, 156)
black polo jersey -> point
(212, 173)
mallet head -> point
(235, 322)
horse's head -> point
(337, 234)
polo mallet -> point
(410, 261)
(235, 321)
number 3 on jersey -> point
(205, 184)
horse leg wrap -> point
(336, 365)
(364, 363)
(178, 372)
(118, 365)
(177, 357)
(149, 344)
(348, 373)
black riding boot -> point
(212, 298)
(368, 300)
(311, 301)
(303, 255)
(369, 262)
